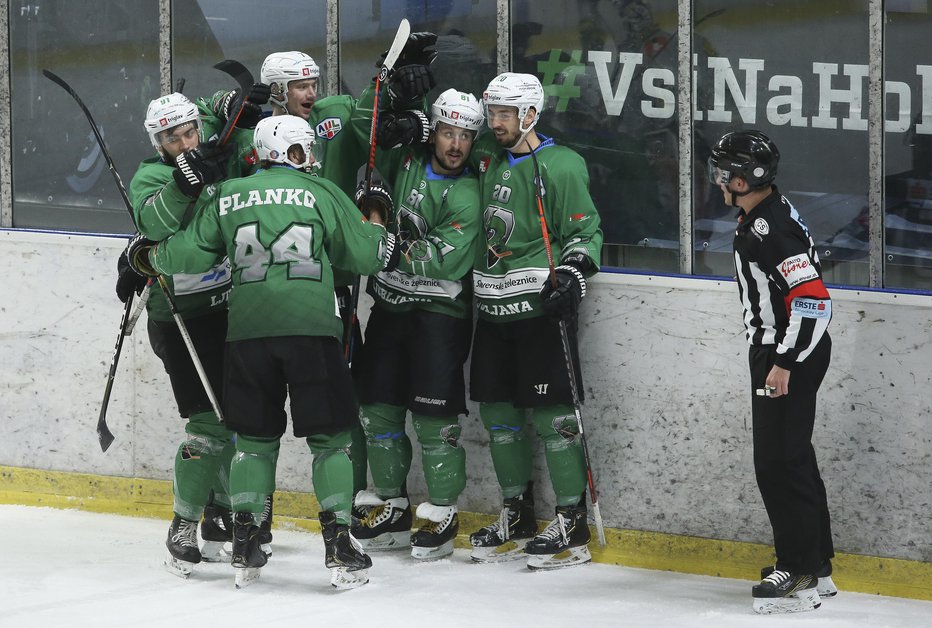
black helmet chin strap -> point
(735, 195)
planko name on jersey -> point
(272, 196)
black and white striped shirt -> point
(780, 280)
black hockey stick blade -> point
(104, 435)
(243, 78)
(238, 71)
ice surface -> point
(70, 568)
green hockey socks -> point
(444, 460)
(201, 464)
(559, 431)
(509, 446)
(333, 473)
(252, 473)
(388, 447)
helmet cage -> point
(275, 135)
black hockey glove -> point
(418, 50)
(379, 199)
(202, 166)
(563, 301)
(257, 96)
(409, 85)
(137, 253)
(128, 280)
(402, 128)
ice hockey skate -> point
(563, 543)
(386, 525)
(248, 557)
(504, 540)
(434, 540)
(265, 527)
(826, 586)
(216, 534)
(183, 553)
(784, 592)
(348, 563)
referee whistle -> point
(765, 391)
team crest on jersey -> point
(484, 164)
(252, 158)
(499, 225)
(328, 128)
(761, 226)
(406, 165)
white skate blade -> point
(343, 579)
(826, 587)
(245, 576)
(805, 600)
(386, 542)
(567, 558)
(180, 568)
(506, 552)
(432, 553)
(215, 552)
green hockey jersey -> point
(437, 223)
(160, 209)
(281, 229)
(512, 267)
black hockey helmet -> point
(750, 155)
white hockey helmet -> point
(274, 135)
(511, 89)
(167, 112)
(458, 109)
(280, 68)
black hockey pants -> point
(785, 461)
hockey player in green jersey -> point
(293, 78)
(282, 228)
(165, 193)
(418, 332)
(518, 362)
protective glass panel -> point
(465, 40)
(908, 148)
(109, 56)
(609, 70)
(207, 31)
(775, 67)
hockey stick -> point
(104, 435)
(103, 431)
(243, 78)
(567, 352)
(398, 44)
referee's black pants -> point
(785, 461)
